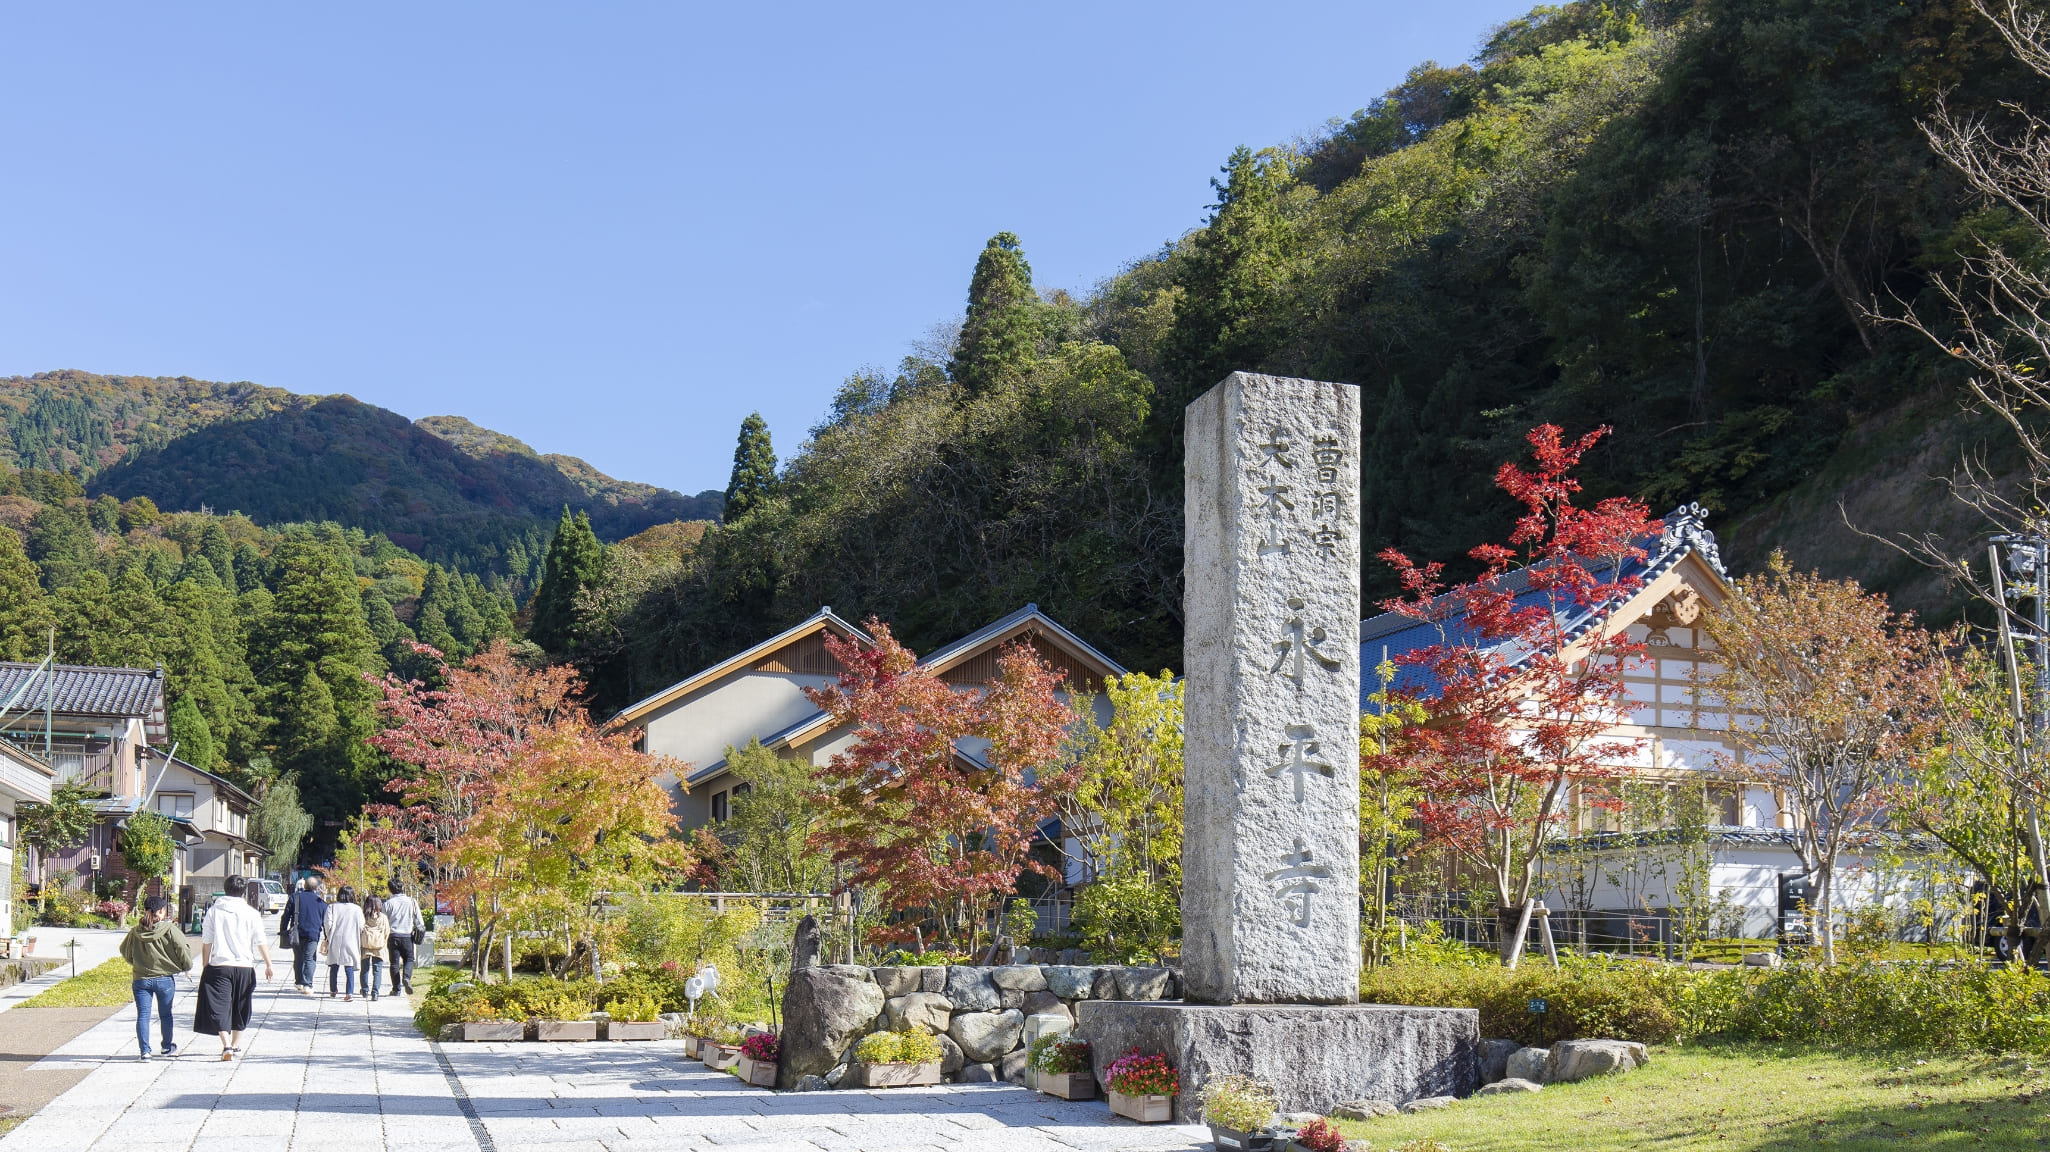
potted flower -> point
(1142, 1088)
(1060, 1067)
(481, 1020)
(758, 1055)
(1318, 1135)
(720, 1049)
(1238, 1110)
(564, 1016)
(634, 1018)
(896, 1060)
(695, 1028)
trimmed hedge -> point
(1585, 996)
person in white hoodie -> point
(341, 941)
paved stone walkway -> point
(324, 1076)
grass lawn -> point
(107, 986)
(1741, 1097)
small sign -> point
(1537, 1007)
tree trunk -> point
(1510, 926)
(1825, 896)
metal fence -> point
(1619, 933)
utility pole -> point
(2028, 558)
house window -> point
(177, 805)
(740, 790)
(720, 808)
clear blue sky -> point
(612, 230)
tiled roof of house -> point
(83, 690)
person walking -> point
(341, 941)
(299, 929)
(408, 932)
(230, 944)
(376, 931)
(156, 949)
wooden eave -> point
(757, 658)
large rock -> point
(1011, 1066)
(1495, 1059)
(1011, 998)
(1533, 1064)
(1070, 982)
(971, 989)
(1142, 983)
(1363, 1109)
(984, 1036)
(925, 1011)
(852, 972)
(1045, 1004)
(1579, 1059)
(1019, 978)
(823, 1012)
(983, 1073)
(1430, 1103)
(1105, 986)
(899, 981)
(951, 1056)
(932, 978)
(804, 946)
(1509, 1086)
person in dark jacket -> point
(156, 949)
(299, 929)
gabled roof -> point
(819, 621)
(84, 690)
(1684, 535)
(1026, 620)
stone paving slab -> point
(320, 1075)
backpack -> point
(374, 935)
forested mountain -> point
(468, 497)
(1666, 216)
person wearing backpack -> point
(376, 934)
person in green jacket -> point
(157, 950)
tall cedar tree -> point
(999, 337)
(316, 652)
(25, 616)
(574, 561)
(946, 836)
(1518, 702)
(754, 469)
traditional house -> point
(1613, 868)
(759, 694)
(23, 779)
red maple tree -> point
(1524, 684)
(940, 798)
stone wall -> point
(979, 1014)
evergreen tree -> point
(999, 337)
(575, 560)
(249, 567)
(431, 622)
(494, 614)
(754, 469)
(219, 551)
(194, 738)
(105, 515)
(120, 623)
(206, 662)
(61, 543)
(25, 616)
(315, 648)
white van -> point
(274, 896)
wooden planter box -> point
(1233, 1140)
(566, 1030)
(691, 1045)
(894, 1075)
(1066, 1085)
(495, 1030)
(757, 1073)
(636, 1030)
(1144, 1109)
(719, 1057)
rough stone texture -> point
(1142, 983)
(977, 1074)
(952, 1057)
(971, 990)
(1069, 981)
(1495, 1059)
(1430, 1103)
(1271, 648)
(932, 978)
(823, 1012)
(1508, 1086)
(1072, 956)
(984, 1036)
(1045, 1004)
(1019, 977)
(899, 981)
(1363, 1109)
(1010, 998)
(1314, 1056)
(852, 972)
(1579, 1059)
(1533, 1064)
(811, 1084)
(927, 1011)
(1105, 986)
(1011, 1067)
(804, 945)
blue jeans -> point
(373, 975)
(159, 989)
(334, 972)
(305, 961)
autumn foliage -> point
(940, 798)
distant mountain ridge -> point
(441, 486)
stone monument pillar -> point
(1270, 862)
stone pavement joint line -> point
(323, 1076)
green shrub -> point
(639, 1009)
(1584, 997)
(1239, 1102)
(1127, 920)
(1966, 1007)
(897, 1048)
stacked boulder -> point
(979, 1014)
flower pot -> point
(756, 1072)
(1144, 1109)
(495, 1030)
(1233, 1140)
(692, 1045)
(566, 1030)
(719, 1057)
(635, 1030)
(1066, 1085)
(894, 1075)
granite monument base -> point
(1315, 1056)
